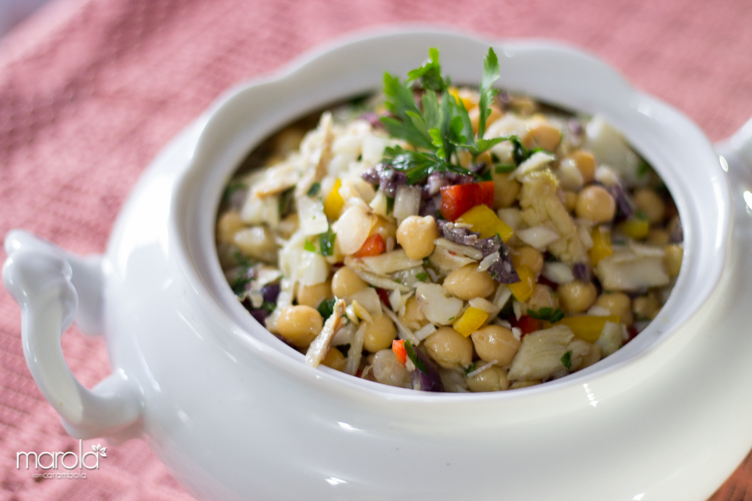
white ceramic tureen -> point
(236, 414)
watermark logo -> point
(62, 464)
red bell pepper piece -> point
(398, 347)
(527, 324)
(373, 246)
(460, 198)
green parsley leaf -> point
(314, 189)
(566, 360)
(417, 362)
(231, 189)
(309, 246)
(470, 368)
(491, 70)
(422, 276)
(326, 308)
(326, 242)
(504, 168)
(549, 314)
(641, 215)
(389, 204)
(430, 73)
(643, 168)
(268, 306)
(557, 315)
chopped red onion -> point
(426, 382)
(624, 205)
(270, 293)
(387, 178)
(581, 272)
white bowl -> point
(236, 414)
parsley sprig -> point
(549, 314)
(441, 126)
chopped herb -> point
(286, 200)
(484, 175)
(422, 276)
(268, 306)
(558, 315)
(504, 168)
(241, 259)
(309, 246)
(566, 360)
(643, 169)
(231, 189)
(240, 285)
(452, 318)
(326, 242)
(641, 215)
(314, 189)
(389, 204)
(326, 308)
(470, 368)
(549, 314)
(414, 358)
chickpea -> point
(646, 307)
(543, 297)
(388, 370)
(467, 283)
(258, 242)
(300, 325)
(651, 204)
(576, 297)
(542, 135)
(379, 334)
(595, 204)
(585, 162)
(413, 317)
(449, 348)
(312, 295)
(527, 256)
(465, 158)
(658, 237)
(345, 282)
(673, 259)
(493, 116)
(617, 303)
(416, 235)
(494, 342)
(505, 190)
(335, 359)
(570, 200)
(491, 379)
(229, 224)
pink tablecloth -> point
(90, 90)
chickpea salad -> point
(450, 239)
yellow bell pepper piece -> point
(486, 222)
(334, 201)
(601, 245)
(470, 321)
(466, 103)
(587, 327)
(635, 228)
(523, 289)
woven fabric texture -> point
(91, 90)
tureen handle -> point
(39, 277)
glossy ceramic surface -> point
(237, 415)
